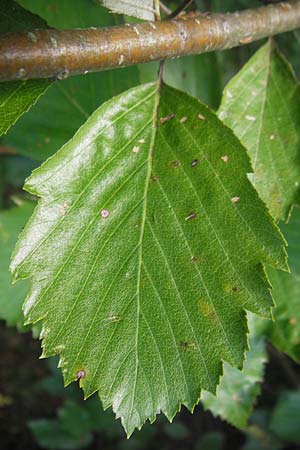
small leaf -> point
(142, 9)
(285, 420)
(262, 106)
(141, 265)
(17, 97)
(239, 389)
(12, 297)
(284, 332)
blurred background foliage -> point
(36, 411)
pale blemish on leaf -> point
(190, 216)
(250, 118)
(104, 213)
(195, 162)
(80, 374)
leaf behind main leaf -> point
(17, 97)
(262, 106)
(238, 390)
(12, 297)
(144, 252)
(143, 9)
(284, 332)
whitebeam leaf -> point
(12, 297)
(238, 389)
(284, 332)
(262, 106)
(144, 252)
(142, 9)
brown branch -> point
(60, 53)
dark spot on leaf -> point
(195, 162)
(175, 163)
(188, 345)
(235, 288)
(165, 119)
(154, 178)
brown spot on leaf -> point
(165, 119)
(187, 345)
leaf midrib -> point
(144, 215)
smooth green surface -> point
(285, 420)
(17, 97)
(143, 9)
(239, 389)
(284, 332)
(68, 103)
(141, 265)
(12, 297)
(15, 18)
(262, 105)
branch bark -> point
(60, 53)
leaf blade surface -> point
(261, 105)
(130, 233)
(142, 9)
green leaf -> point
(143, 9)
(239, 389)
(15, 18)
(50, 434)
(17, 97)
(262, 106)
(284, 332)
(12, 297)
(68, 103)
(285, 421)
(144, 252)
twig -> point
(165, 9)
(182, 7)
(60, 53)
